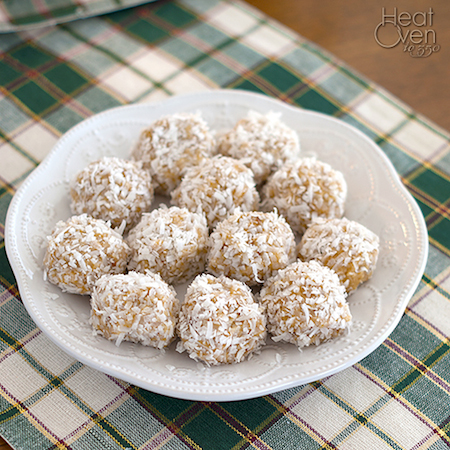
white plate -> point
(376, 198)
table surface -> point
(346, 29)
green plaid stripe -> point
(397, 397)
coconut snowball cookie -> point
(217, 187)
(81, 250)
(305, 304)
(112, 189)
(303, 190)
(170, 241)
(134, 307)
(345, 246)
(219, 321)
(172, 144)
(251, 246)
(262, 142)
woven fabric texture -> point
(52, 78)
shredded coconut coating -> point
(219, 321)
(217, 187)
(262, 142)
(170, 241)
(112, 189)
(81, 250)
(305, 190)
(172, 144)
(306, 304)
(136, 307)
(251, 246)
(345, 246)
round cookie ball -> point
(345, 246)
(172, 144)
(305, 304)
(112, 189)
(170, 241)
(135, 307)
(219, 321)
(262, 142)
(216, 188)
(251, 246)
(304, 190)
(81, 250)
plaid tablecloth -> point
(52, 78)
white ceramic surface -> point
(376, 198)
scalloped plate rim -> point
(228, 95)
